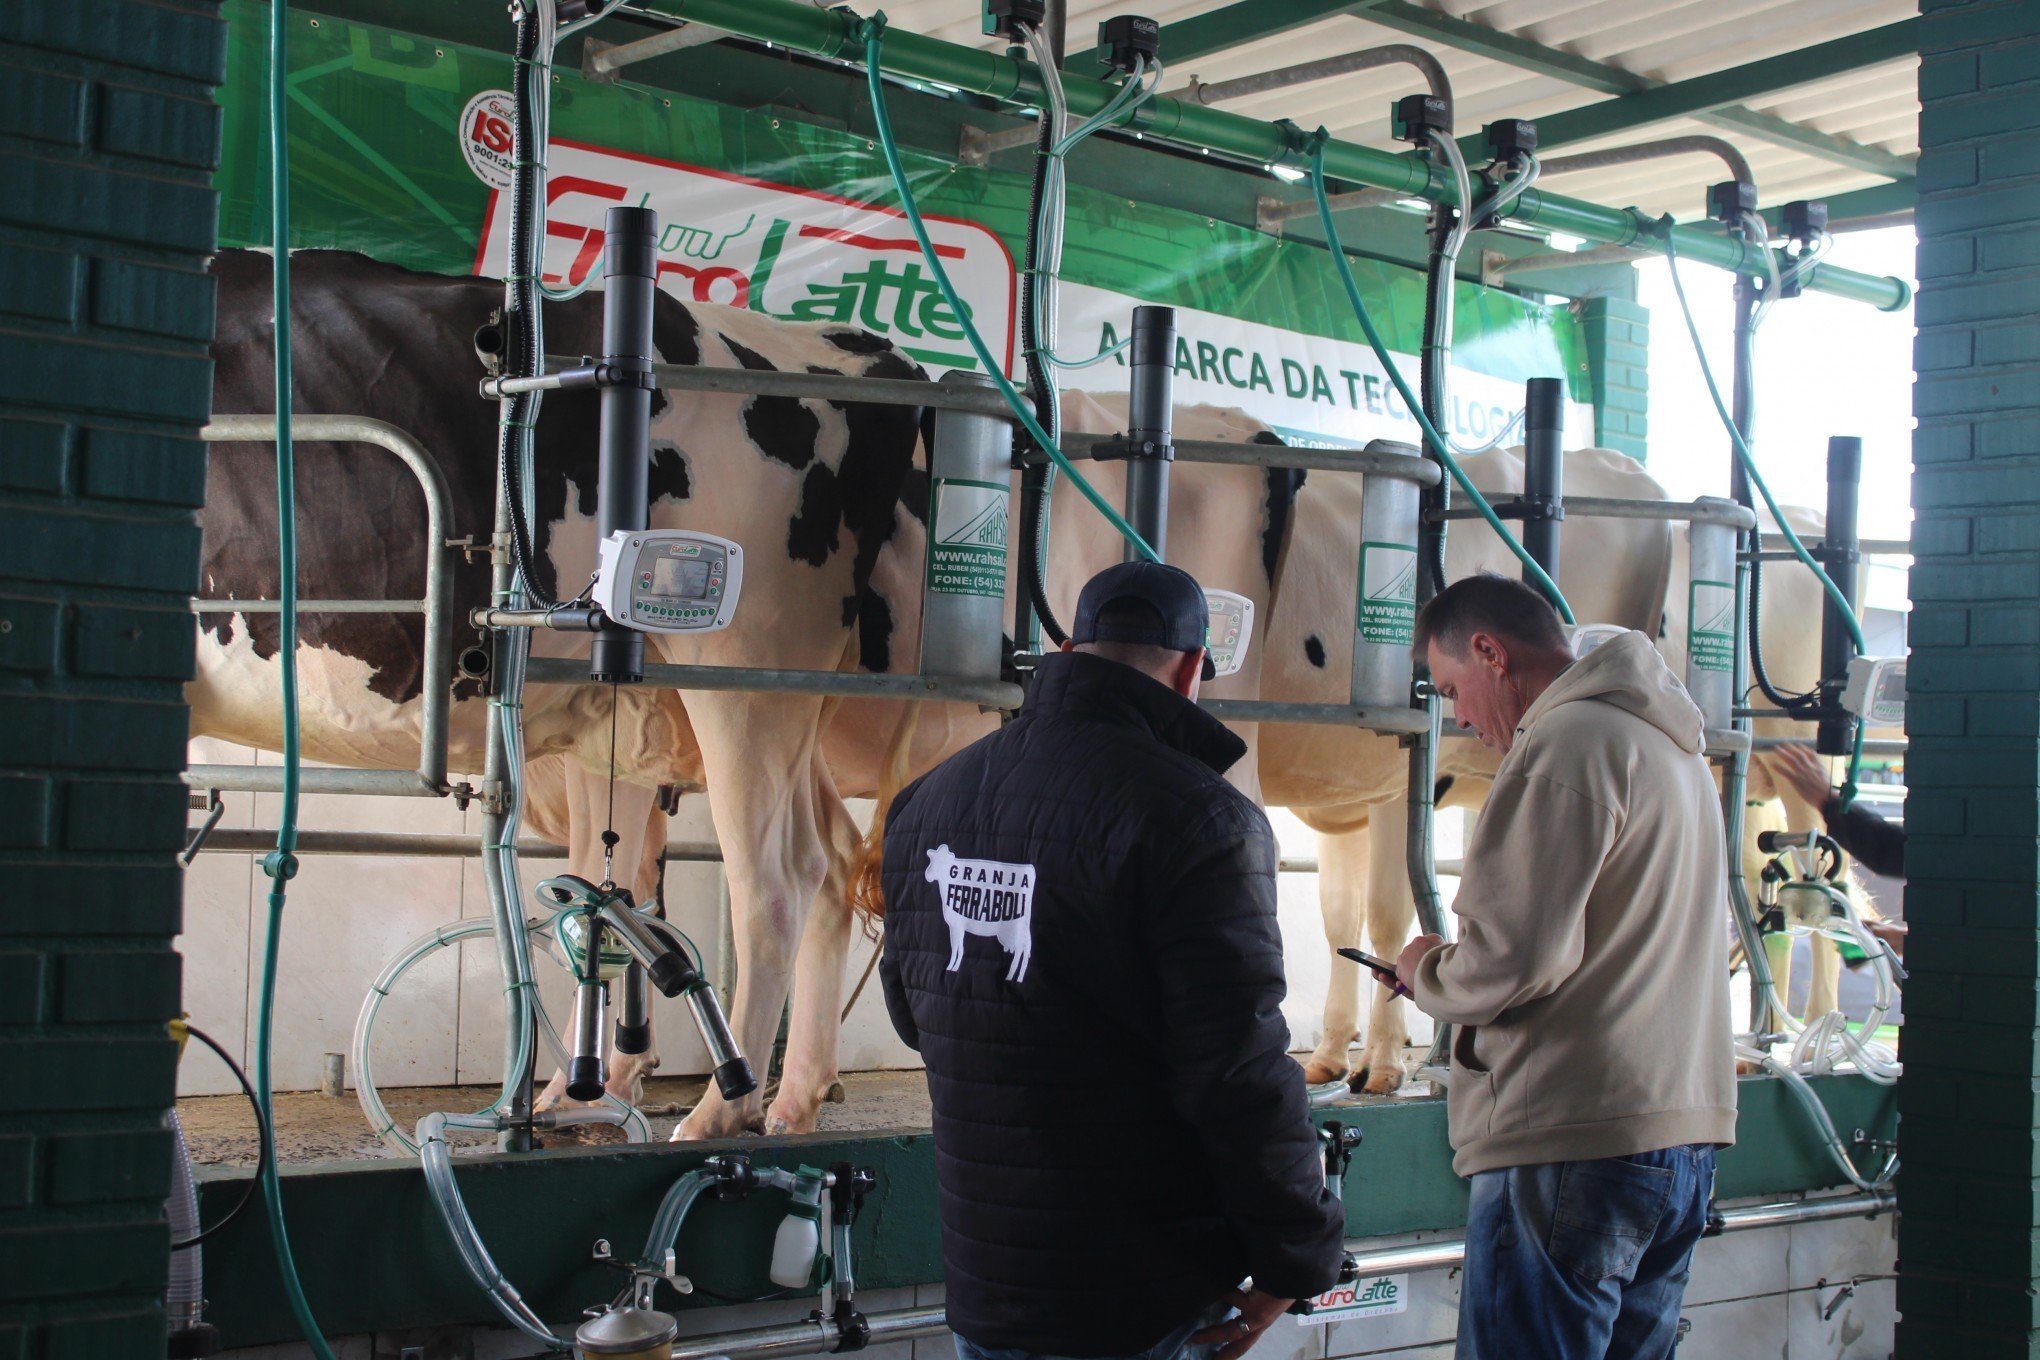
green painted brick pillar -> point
(1969, 1240)
(1618, 358)
(108, 139)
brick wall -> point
(1618, 358)
(1969, 1191)
(108, 137)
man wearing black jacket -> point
(1081, 942)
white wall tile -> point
(1861, 1326)
(1841, 1248)
(1738, 1265)
(347, 916)
(1745, 1329)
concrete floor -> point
(310, 1127)
(220, 1130)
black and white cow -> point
(808, 487)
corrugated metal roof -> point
(1661, 40)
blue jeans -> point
(1175, 1346)
(1582, 1260)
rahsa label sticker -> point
(1388, 593)
(1710, 632)
(1378, 1297)
(968, 554)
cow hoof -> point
(1384, 1082)
(1316, 1073)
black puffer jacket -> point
(1081, 941)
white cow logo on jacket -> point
(985, 897)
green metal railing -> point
(1015, 83)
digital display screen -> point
(686, 577)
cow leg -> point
(1342, 901)
(588, 813)
(1391, 909)
(815, 1028)
(759, 755)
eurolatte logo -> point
(1378, 1297)
(770, 248)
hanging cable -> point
(872, 32)
(262, 1141)
(1749, 464)
(1042, 276)
(1436, 441)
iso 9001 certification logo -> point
(486, 137)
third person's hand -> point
(1237, 1335)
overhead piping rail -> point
(830, 34)
(1303, 73)
(1698, 144)
(600, 61)
(563, 372)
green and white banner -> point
(400, 151)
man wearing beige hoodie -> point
(1592, 1070)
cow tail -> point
(867, 892)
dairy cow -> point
(809, 488)
(1229, 527)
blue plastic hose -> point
(1749, 464)
(874, 38)
(1439, 446)
(281, 863)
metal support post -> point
(964, 588)
(1743, 396)
(1839, 552)
(1149, 418)
(1712, 620)
(1386, 623)
(629, 281)
(1543, 470)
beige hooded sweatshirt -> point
(1590, 978)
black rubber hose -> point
(1034, 479)
(1771, 692)
(526, 361)
(261, 1143)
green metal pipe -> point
(828, 33)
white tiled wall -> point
(348, 915)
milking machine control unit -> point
(1231, 631)
(669, 580)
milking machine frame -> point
(973, 442)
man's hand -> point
(1412, 955)
(1804, 771)
(1258, 1312)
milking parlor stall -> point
(681, 423)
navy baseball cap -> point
(1183, 617)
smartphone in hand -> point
(1381, 968)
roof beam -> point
(1246, 21)
(1719, 89)
(1879, 201)
(1535, 57)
